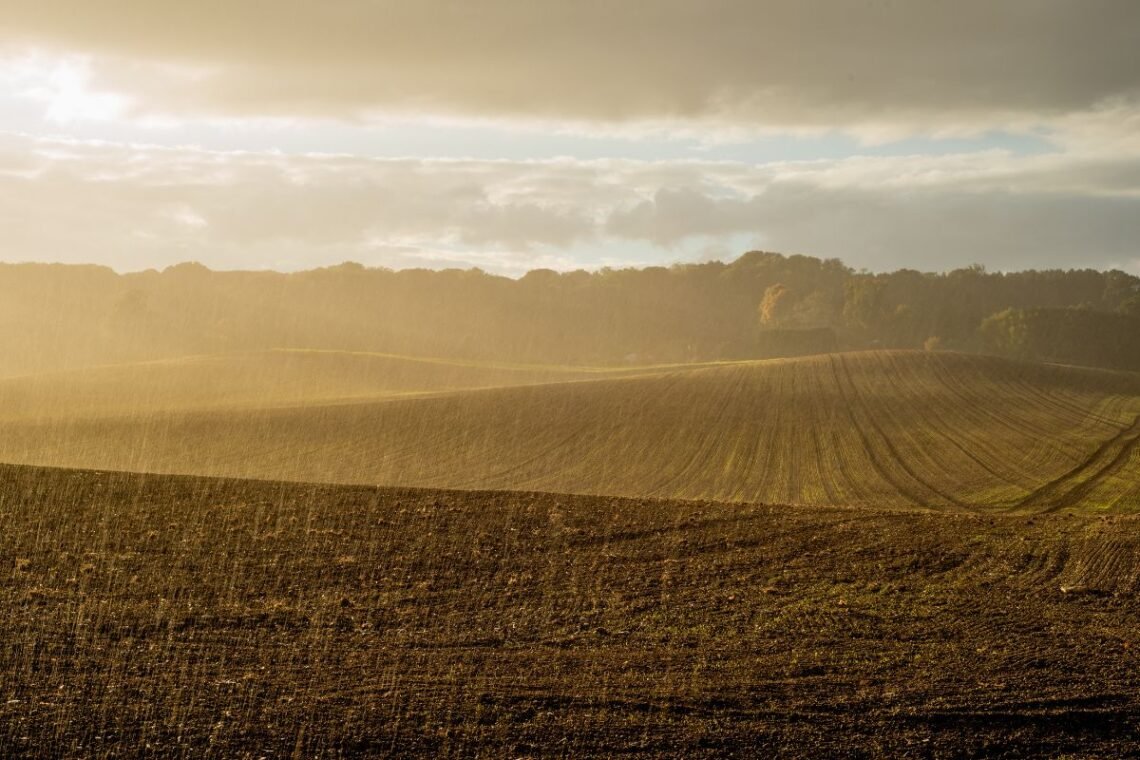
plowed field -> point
(932, 431)
(182, 617)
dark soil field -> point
(186, 617)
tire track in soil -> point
(825, 482)
(941, 427)
(1105, 564)
(1075, 485)
(880, 469)
(1040, 400)
(896, 457)
(981, 415)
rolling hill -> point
(892, 429)
(259, 379)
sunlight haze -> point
(558, 379)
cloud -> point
(143, 206)
(135, 207)
(948, 228)
(874, 65)
(932, 213)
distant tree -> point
(816, 309)
(1130, 307)
(1069, 336)
(1006, 332)
(66, 316)
(1120, 289)
(864, 302)
(933, 343)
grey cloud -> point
(933, 230)
(140, 207)
(134, 208)
(676, 213)
(786, 62)
(883, 229)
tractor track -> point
(1072, 487)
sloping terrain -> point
(170, 616)
(259, 379)
(884, 429)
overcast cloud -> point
(931, 63)
(1060, 76)
(157, 206)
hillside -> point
(259, 379)
(899, 429)
(203, 618)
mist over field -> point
(550, 379)
(725, 506)
(757, 305)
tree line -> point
(760, 305)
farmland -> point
(749, 379)
(258, 379)
(176, 616)
(884, 429)
(854, 555)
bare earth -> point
(177, 616)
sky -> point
(519, 134)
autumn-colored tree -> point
(776, 306)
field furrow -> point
(204, 617)
(891, 429)
(1073, 488)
